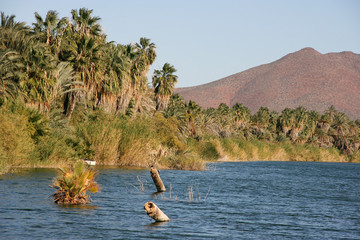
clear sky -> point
(210, 39)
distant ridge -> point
(303, 78)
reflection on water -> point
(248, 200)
(81, 207)
(155, 225)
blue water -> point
(245, 200)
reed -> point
(16, 143)
(97, 138)
(190, 193)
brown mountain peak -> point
(303, 78)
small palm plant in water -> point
(73, 184)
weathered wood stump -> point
(155, 212)
(157, 180)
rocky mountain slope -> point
(303, 78)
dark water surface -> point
(245, 200)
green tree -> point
(241, 114)
(143, 55)
(286, 120)
(164, 81)
(84, 23)
(10, 64)
(50, 30)
(299, 123)
(340, 124)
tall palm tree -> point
(146, 50)
(46, 27)
(50, 30)
(192, 110)
(241, 115)
(313, 119)
(286, 120)
(66, 83)
(340, 124)
(37, 60)
(260, 122)
(164, 81)
(10, 73)
(143, 56)
(261, 118)
(116, 78)
(84, 23)
(8, 22)
(13, 35)
(300, 120)
(176, 107)
(206, 123)
(84, 55)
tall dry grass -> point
(16, 143)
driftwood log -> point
(157, 180)
(155, 212)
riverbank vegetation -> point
(66, 93)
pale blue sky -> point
(210, 39)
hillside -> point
(303, 78)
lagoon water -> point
(243, 200)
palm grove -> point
(68, 93)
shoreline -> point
(224, 159)
(227, 159)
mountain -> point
(303, 78)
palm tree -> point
(116, 78)
(176, 107)
(40, 66)
(146, 50)
(310, 128)
(286, 120)
(8, 22)
(84, 23)
(260, 122)
(241, 115)
(299, 123)
(84, 56)
(50, 30)
(192, 110)
(10, 73)
(340, 124)
(143, 56)
(164, 82)
(65, 83)
(261, 118)
(206, 123)
(46, 28)
(327, 118)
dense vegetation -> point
(67, 93)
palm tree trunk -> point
(72, 100)
(155, 212)
(157, 180)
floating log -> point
(157, 180)
(155, 212)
